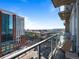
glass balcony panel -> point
(62, 8)
(64, 15)
(67, 8)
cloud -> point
(30, 24)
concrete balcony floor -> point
(31, 54)
(70, 55)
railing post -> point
(51, 45)
(39, 57)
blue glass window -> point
(7, 26)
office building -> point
(11, 29)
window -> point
(7, 26)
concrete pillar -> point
(67, 26)
(73, 27)
(77, 26)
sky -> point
(38, 14)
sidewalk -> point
(70, 55)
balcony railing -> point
(65, 15)
(48, 43)
(65, 12)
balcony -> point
(64, 15)
(58, 3)
(44, 49)
(39, 50)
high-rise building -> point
(11, 26)
(11, 29)
(19, 27)
(6, 26)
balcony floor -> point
(70, 55)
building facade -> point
(6, 26)
(70, 16)
(11, 26)
(11, 29)
(19, 27)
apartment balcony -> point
(58, 3)
(39, 50)
(64, 15)
(44, 49)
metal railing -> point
(58, 46)
(17, 54)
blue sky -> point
(39, 14)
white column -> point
(77, 26)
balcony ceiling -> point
(64, 15)
(58, 3)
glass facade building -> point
(10, 25)
(7, 26)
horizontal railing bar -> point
(20, 52)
